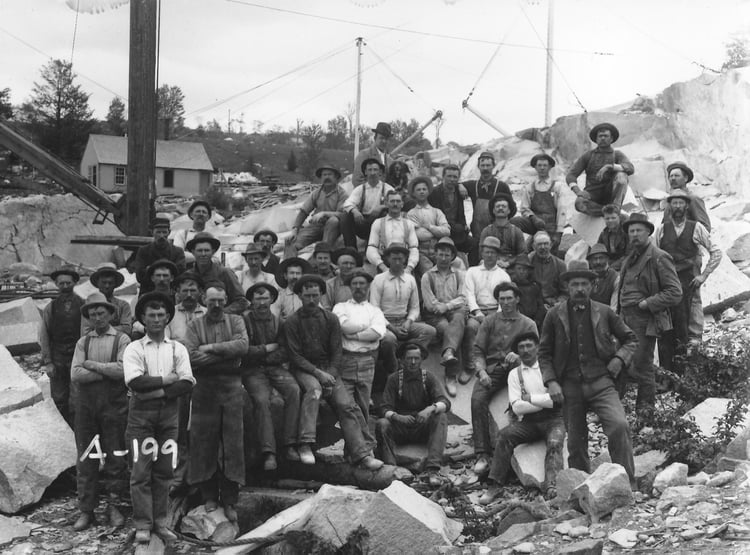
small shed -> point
(182, 168)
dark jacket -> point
(459, 229)
(658, 281)
(608, 327)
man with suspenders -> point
(365, 204)
(394, 227)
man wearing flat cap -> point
(678, 176)
(58, 334)
(289, 272)
(493, 358)
(314, 343)
(200, 213)
(157, 371)
(159, 248)
(106, 279)
(366, 203)
(267, 239)
(394, 227)
(684, 239)
(649, 287)
(542, 207)
(607, 172)
(482, 190)
(347, 259)
(584, 348)
(254, 273)
(377, 151)
(101, 407)
(323, 210)
(203, 247)
(430, 223)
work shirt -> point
(430, 222)
(247, 281)
(374, 196)
(146, 357)
(594, 160)
(314, 341)
(479, 286)
(547, 274)
(121, 321)
(387, 230)
(496, 336)
(356, 317)
(396, 296)
(236, 301)
(701, 237)
(61, 326)
(262, 330)
(148, 254)
(533, 385)
(616, 242)
(227, 337)
(100, 348)
(510, 237)
(556, 188)
(177, 328)
(420, 389)
(287, 304)
(322, 200)
(447, 288)
(336, 292)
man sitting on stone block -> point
(536, 418)
(414, 410)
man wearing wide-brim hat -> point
(683, 238)
(289, 272)
(322, 260)
(161, 273)
(648, 288)
(267, 239)
(604, 289)
(254, 273)
(106, 279)
(607, 172)
(158, 249)
(323, 210)
(679, 175)
(200, 213)
(482, 190)
(348, 260)
(430, 222)
(585, 348)
(101, 406)
(503, 208)
(542, 207)
(381, 134)
(366, 203)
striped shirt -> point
(100, 351)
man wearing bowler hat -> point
(649, 287)
(607, 280)
(204, 246)
(679, 175)
(366, 203)
(683, 239)
(482, 190)
(106, 279)
(607, 172)
(289, 272)
(58, 334)
(323, 210)
(377, 151)
(158, 249)
(267, 239)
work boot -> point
(466, 375)
(115, 516)
(291, 454)
(305, 454)
(270, 463)
(492, 493)
(142, 536)
(371, 463)
(84, 521)
(451, 385)
(433, 478)
(482, 466)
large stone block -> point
(21, 339)
(17, 390)
(19, 311)
(605, 490)
(725, 287)
(36, 445)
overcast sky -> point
(606, 52)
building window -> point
(120, 175)
(92, 175)
(169, 179)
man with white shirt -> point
(479, 284)
(362, 327)
(395, 293)
(394, 227)
(254, 254)
(537, 417)
(430, 223)
(200, 213)
(365, 204)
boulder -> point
(12, 528)
(335, 517)
(605, 490)
(519, 515)
(513, 535)
(17, 389)
(585, 547)
(208, 525)
(624, 537)
(36, 445)
(682, 496)
(721, 479)
(726, 286)
(708, 412)
(674, 475)
(738, 447)
(568, 479)
(698, 479)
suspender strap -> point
(115, 346)
(401, 381)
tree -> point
(213, 128)
(403, 130)
(313, 138)
(58, 111)
(170, 108)
(291, 162)
(117, 123)
(738, 53)
(337, 132)
(6, 109)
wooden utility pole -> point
(550, 44)
(141, 116)
(359, 98)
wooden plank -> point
(125, 241)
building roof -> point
(169, 154)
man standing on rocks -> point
(321, 258)
(160, 274)
(376, 151)
(649, 287)
(106, 279)
(159, 248)
(58, 334)
(157, 372)
(200, 213)
(683, 238)
(366, 203)
(537, 418)
(679, 175)
(607, 172)
(216, 343)
(101, 408)
(580, 362)
(607, 282)
(482, 190)
(494, 357)
(203, 246)
(414, 409)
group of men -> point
(197, 341)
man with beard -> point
(503, 208)
(200, 213)
(314, 343)
(449, 198)
(607, 281)
(159, 248)
(607, 172)
(376, 151)
(58, 334)
(679, 175)
(267, 239)
(289, 272)
(216, 343)
(204, 246)
(347, 259)
(254, 274)
(324, 209)
(547, 270)
(584, 348)
(649, 287)
(106, 279)
(682, 238)
(366, 203)
(429, 222)
(482, 191)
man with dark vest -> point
(159, 248)
(679, 175)
(366, 203)
(607, 172)
(447, 197)
(649, 287)
(532, 302)
(547, 269)
(607, 281)
(58, 334)
(482, 190)
(683, 238)
(267, 239)
(101, 408)
(106, 279)
(376, 151)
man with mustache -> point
(607, 279)
(347, 259)
(547, 269)
(482, 190)
(683, 238)
(200, 213)
(503, 208)
(106, 279)
(323, 210)
(158, 249)
(679, 175)
(203, 247)
(254, 274)
(289, 272)
(267, 239)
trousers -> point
(258, 383)
(434, 432)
